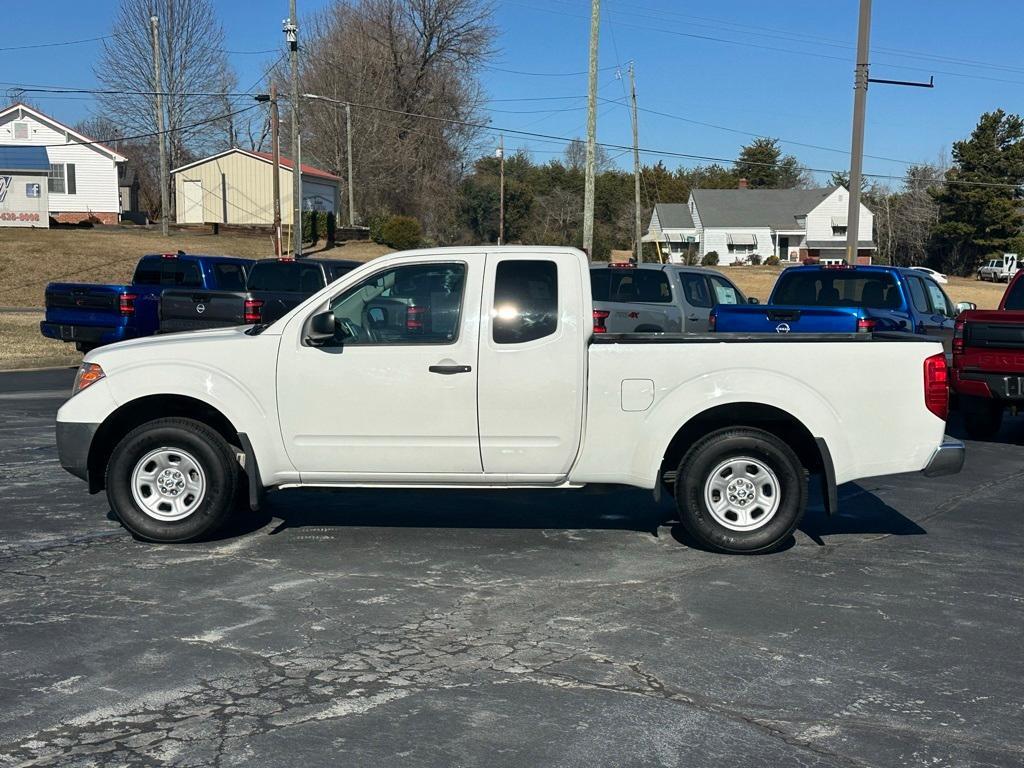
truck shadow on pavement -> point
(861, 512)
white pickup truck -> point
(478, 367)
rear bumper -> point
(948, 459)
(89, 334)
(73, 442)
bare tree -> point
(396, 61)
(192, 62)
(575, 155)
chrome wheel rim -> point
(168, 484)
(742, 494)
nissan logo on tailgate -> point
(200, 308)
(782, 328)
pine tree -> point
(764, 166)
(982, 216)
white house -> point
(82, 181)
(672, 230)
(792, 224)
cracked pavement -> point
(568, 628)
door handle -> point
(448, 370)
(693, 317)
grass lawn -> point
(22, 346)
(31, 258)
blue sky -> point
(780, 69)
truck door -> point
(532, 365)
(394, 396)
(697, 301)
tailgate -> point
(1000, 335)
(190, 309)
(88, 304)
(781, 319)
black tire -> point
(983, 417)
(696, 470)
(214, 457)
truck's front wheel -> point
(172, 480)
(741, 490)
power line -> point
(58, 44)
(648, 151)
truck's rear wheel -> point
(982, 416)
(741, 490)
(172, 480)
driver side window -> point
(413, 304)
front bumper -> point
(73, 442)
(948, 459)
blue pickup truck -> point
(91, 315)
(845, 299)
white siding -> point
(95, 171)
(717, 239)
(819, 221)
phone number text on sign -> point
(19, 216)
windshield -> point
(286, 276)
(838, 288)
(1015, 296)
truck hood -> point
(167, 346)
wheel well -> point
(783, 425)
(138, 412)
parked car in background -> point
(273, 287)
(91, 315)
(846, 299)
(988, 362)
(1000, 270)
(657, 298)
(938, 277)
(487, 374)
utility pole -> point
(291, 34)
(348, 158)
(276, 149)
(501, 190)
(588, 183)
(636, 169)
(154, 24)
(860, 101)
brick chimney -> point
(743, 184)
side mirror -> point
(321, 328)
(965, 306)
(753, 300)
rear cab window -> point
(168, 271)
(230, 277)
(838, 288)
(1015, 296)
(525, 301)
(286, 277)
(630, 286)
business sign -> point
(23, 201)
(33, 190)
(5, 184)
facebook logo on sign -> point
(33, 190)
(5, 184)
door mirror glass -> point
(321, 328)
(753, 300)
(965, 306)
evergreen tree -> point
(764, 166)
(981, 217)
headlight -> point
(88, 373)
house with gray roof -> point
(793, 224)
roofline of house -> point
(254, 156)
(82, 139)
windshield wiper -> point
(257, 329)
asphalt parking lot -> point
(508, 629)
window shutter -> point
(70, 173)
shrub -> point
(401, 233)
(316, 225)
(771, 261)
(710, 259)
(376, 221)
(755, 259)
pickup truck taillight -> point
(958, 338)
(600, 315)
(866, 325)
(936, 385)
(253, 311)
(712, 321)
(126, 303)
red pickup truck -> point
(988, 362)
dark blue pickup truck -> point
(92, 315)
(845, 299)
